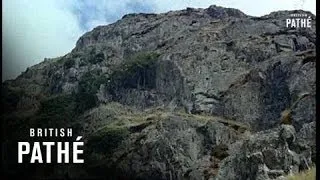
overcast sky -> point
(35, 29)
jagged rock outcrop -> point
(204, 63)
(267, 155)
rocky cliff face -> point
(190, 94)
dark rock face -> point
(219, 63)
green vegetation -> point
(56, 110)
(107, 139)
(92, 56)
(60, 61)
(220, 151)
(69, 63)
(10, 98)
(96, 58)
(306, 175)
(88, 87)
(238, 126)
(90, 82)
(85, 101)
(136, 72)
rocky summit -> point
(192, 94)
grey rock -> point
(265, 155)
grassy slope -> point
(306, 175)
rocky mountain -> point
(193, 94)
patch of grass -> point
(306, 175)
(107, 138)
(128, 117)
(238, 126)
(116, 115)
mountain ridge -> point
(194, 94)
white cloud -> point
(94, 23)
(106, 11)
(33, 31)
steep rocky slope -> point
(190, 94)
